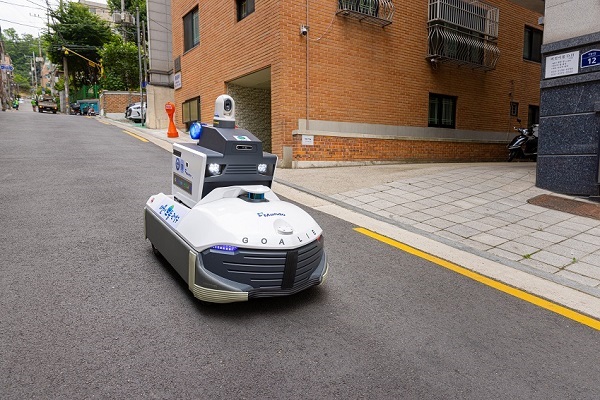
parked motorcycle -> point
(524, 145)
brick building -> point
(325, 82)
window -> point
(533, 117)
(190, 111)
(244, 8)
(191, 30)
(514, 109)
(532, 44)
(442, 111)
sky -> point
(27, 16)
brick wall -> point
(356, 73)
(116, 102)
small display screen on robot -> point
(182, 183)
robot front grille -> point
(266, 269)
(240, 169)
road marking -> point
(538, 301)
(137, 136)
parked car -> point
(135, 113)
(47, 103)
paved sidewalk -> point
(480, 208)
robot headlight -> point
(262, 169)
(214, 169)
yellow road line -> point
(136, 136)
(538, 301)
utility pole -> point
(137, 20)
(67, 105)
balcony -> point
(378, 12)
(463, 32)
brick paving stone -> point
(531, 208)
(369, 207)
(434, 212)
(366, 190)
(351, 194)
(592, 259)
(533, 241)
(440, 223)
(427, 228)
(505, 254)
(480, 226)
(594, 232)
(452, 186)
(585, 269)
(520, 212)
(512, 218)
(537, 225)
(381, 188)
(539, 265)
(353, 202)
(579, 278)
(409, 197)
(574, 225)
(418, 216)
(495, 222)
(591, 239)
(510, 202)
(449, 235)
(557, 230)
(592, 223)
(550, 217)
(476, 244)
(470, 215)
(484, 210)
(366, 198)
(488, 239)
(449, 208)
(338, 197)
(518, 248)
(462, 230)
(399, 210)
(415, 206)
(440, 189)
(566, 251)
(548, 237)
(385, 196)
(455, 218)
(579, 245)
(469, 191)
(552, 259)
(381, 204)
(463, 204)
(403, 220)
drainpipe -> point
(307, 73)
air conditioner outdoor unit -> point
(127, 18)
(116, 18)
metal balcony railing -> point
(473, 15)
(378, 12)
(464, 32)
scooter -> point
(524, 145)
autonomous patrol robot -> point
(222, 228)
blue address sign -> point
(590, 58)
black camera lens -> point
(227, 105)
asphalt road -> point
(87, 311)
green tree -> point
(78, 35)
(129, 32)
(21, 50)
(121, 70)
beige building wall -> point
(566, 19)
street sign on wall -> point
(590, 58)
(6, 67)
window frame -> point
(239, 4)
(191, 36)
(186, 115)
(514, 108)
(532, 50)
(440, 110)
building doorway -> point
(252, 96)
